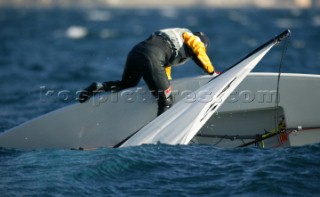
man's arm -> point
(201, 58)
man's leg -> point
(130, 77)
(157, 81)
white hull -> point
(250, 110)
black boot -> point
(97, 87)
(164, 103)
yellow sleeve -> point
(168, 72)
(199, 49)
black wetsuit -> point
(148, 60)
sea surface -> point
(59, 49)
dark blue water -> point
(58, 50)
(161, 170)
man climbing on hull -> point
(152, 60)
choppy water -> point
(68, 49)
(159, 170)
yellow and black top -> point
(185, 45)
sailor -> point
(152, 60)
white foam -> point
(97, 15)
(76, 32)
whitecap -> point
(97, 15)
(76, 32)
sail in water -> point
(182, 122)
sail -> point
(182, 122)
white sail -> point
(182, 122)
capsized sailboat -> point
(100, 122)
(183, 121)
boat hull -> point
(251, 110)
